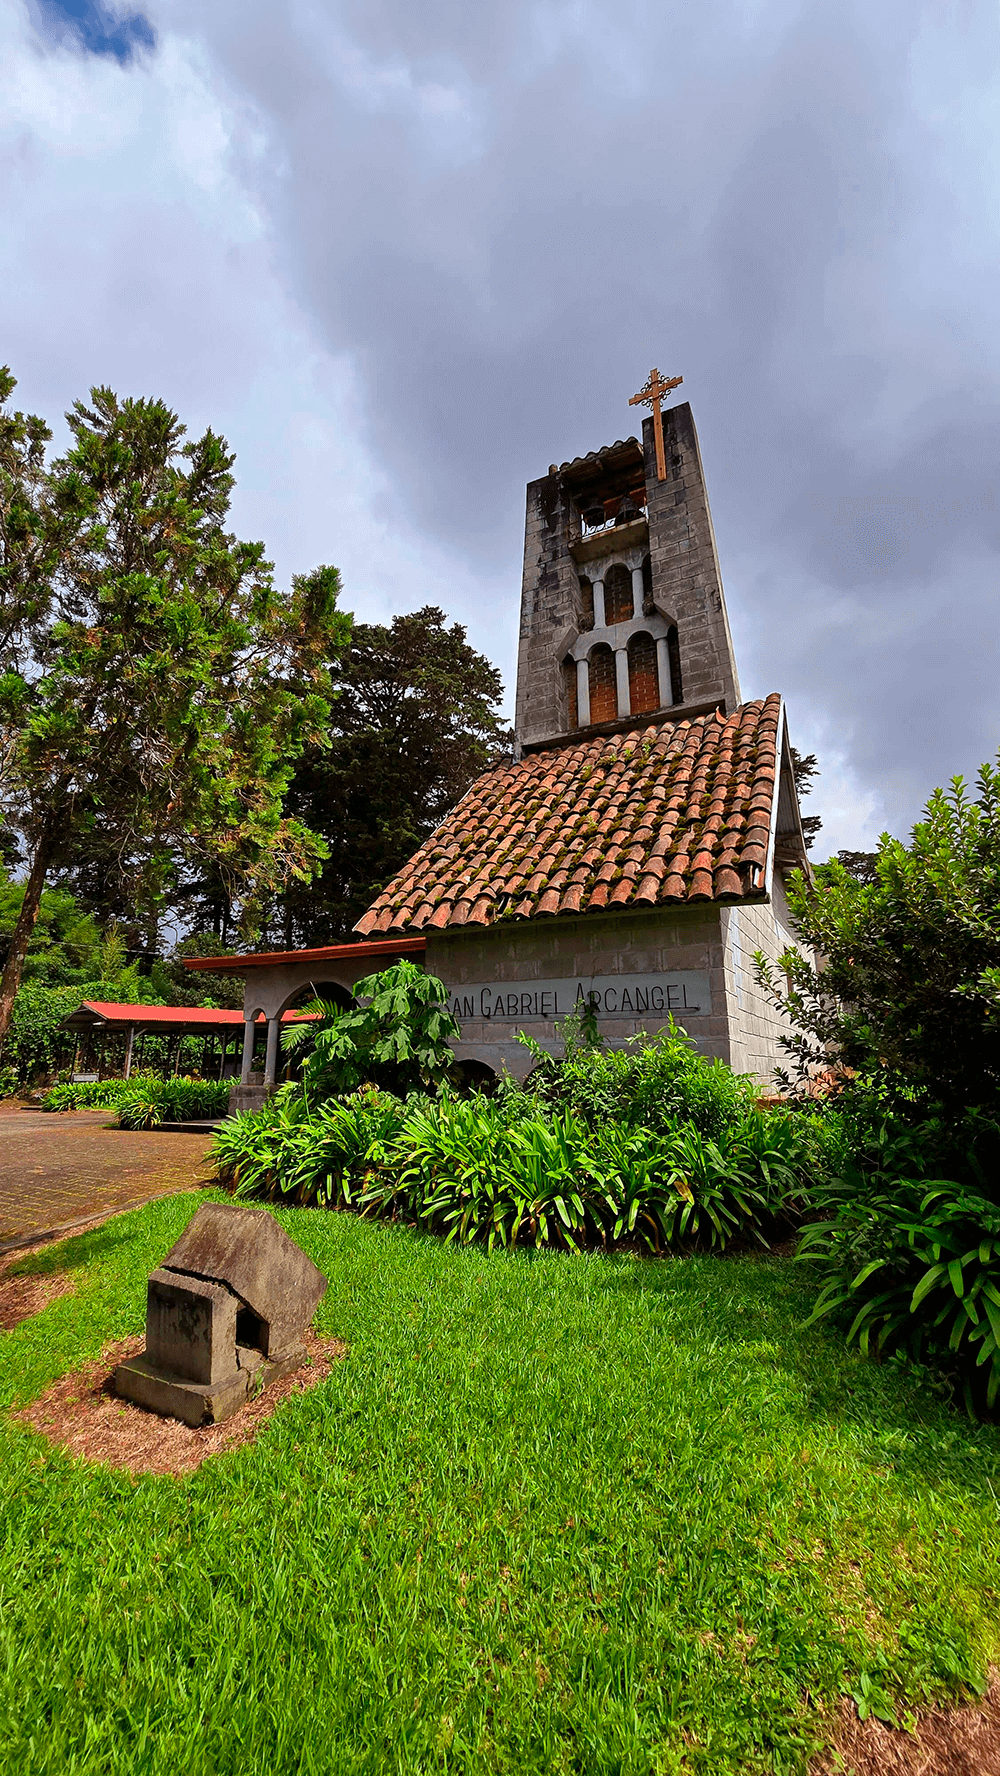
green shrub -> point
(907, 988)
(144, 1101)
(398, 1035)
(141, 1108)
(155, 1101)
(913, 1265)
(312, 1153)
(104, 1094)
(657, 1082)
(508, 1170)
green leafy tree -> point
(804, 769)
(181, 986)
(397, 1035)
(415, 722)
(65, 941)
(906, 991)
(155, 686)
(861, 865)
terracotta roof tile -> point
(677, 812)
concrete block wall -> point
(550, 606)
(662, 941)
(755, 1026)
(687, 580)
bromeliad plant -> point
(145, 1101)
(913, 1265)
(152, 1102)
(312, 1154)
(397, 1035)
(93, 1094)
(508, 1171)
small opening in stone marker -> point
(249, 1329)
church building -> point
(633, 851)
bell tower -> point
(623, 616)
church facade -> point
(633, 852)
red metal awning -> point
(102, 1014)
(382, 950)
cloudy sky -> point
(405, 253)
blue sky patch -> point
(97, 31)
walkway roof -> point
(103, 1014)
(380, 950)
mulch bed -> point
(22, 1296)
(83, 1416)
(946, 1742)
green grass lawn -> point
(550, 1514)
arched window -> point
(569, 685)
(674, 656)
(617, 595)
(648, 607)
(586, 604)
(643, 685)
(603, 690)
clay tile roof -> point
(677, 812)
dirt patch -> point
(945, 1742)
(23, 1296)
(82, 1415)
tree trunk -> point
(26, 918)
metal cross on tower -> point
(656, 387)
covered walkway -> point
(229, 1029)
(274, 978)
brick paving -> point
(60, 1168)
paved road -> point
(59, 1168)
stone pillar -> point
(637, 592)
(249, 1033)
(129, 1045)
(583, 693)
(663, 673)
(271, 1061)
(621, 675)
(600, 621)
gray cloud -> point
(499, 217)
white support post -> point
(249, 1034)
(638, 592)
(621, 675)
(583, 693)
(663, 673)
(600, 621)
(129, 1045)
(271, 1061)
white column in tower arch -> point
(621, 676)
(600, 621)
(638, 592)
(663, 672)
(583, 693)
(271, 1059)
(249, 1034)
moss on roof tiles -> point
(645, 809)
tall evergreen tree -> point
(415, 722)
(155, 686)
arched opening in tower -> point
(643, 684)
(617, 595)
(603, 689)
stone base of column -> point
(248, 1097)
